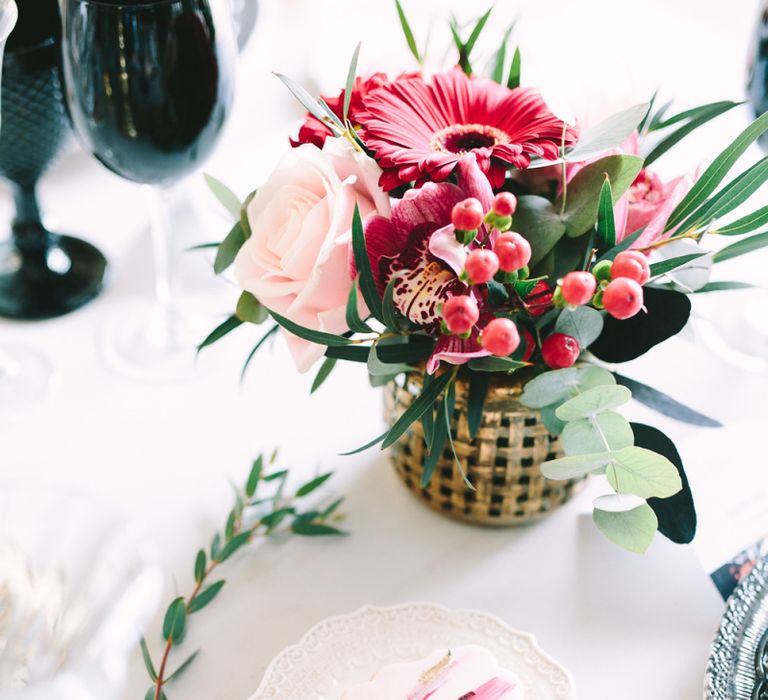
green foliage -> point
(350, 83)
(250, 310)
(499, 62)
(354, 322)
(317, 108)
(644, 473)
(229, 248)
(220, 331)
(323, 373)
(363, 264)
(205, 596)
(175, 621)
(409, 38)
(496, 364)
(591, 435)
(606, 226)
(478, 390)
(581, 322)
(742, 247)
(227, 198)
(745, 224)
(606, 135)
(319, 337)
(513, 81)
(632, 529)
(593, 401)
(665, 266)
(537, 220)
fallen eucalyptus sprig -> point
(255, 514)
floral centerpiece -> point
(457, 237)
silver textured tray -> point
(738, 667)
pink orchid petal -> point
(474, 182)
(654, 230)
(443, 245)
(455, 351)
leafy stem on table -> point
(260, 510)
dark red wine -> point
(149, 84)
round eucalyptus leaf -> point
(585, 435)
(577, 465)
(618, 502)
(590, 377)
(631, 529)
(582, 322)
(593, 401)
(643, 472)
(550, 387)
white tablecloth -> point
(626, 626)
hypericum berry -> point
(633, 265)
(467, 215)
(578, 287)
(540, 299)
(560, 351)
(500, 337)
(460, 313)
(530, 345)
(602, 270)
(623, 298)
(481, 266)
(513, 251)
(504, 204)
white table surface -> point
(626, 626)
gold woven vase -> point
(502, 461)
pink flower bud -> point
(513, 251)
(460, 314)
(481, 266)
(500, 337)
(504, 204)
(467, 215)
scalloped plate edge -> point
(307, 636)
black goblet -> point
(149, 84)
(42, 274)
(757, 85)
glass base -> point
(71, 274)
(25, 378)
(149, 342)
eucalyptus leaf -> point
(644, 473)
(495, 364)
(313, 485)
(227, 198)
(633, 530)
(593, 401)
(309, 529)
(574, 466)
(233, 545)
(229, 248)
(587, 435)
(551, 422)
(618, 502)
(607, 134)
(538, 221)
(583, 192)
(581, 322)
(200, 564)
(204, 597)
(254, 476)
(147, 657)
(183, 667)
(590, 377)
(175, 621)
(550, 387)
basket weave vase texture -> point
(503, 462)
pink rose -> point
(296, 259)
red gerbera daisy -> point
(419, 130)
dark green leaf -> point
(621, 341)
(331, 509)
(319, 337)
(428, 419)
(407, 32)
(350, 353)
(475, 35)
(233, 545)
(354, 322)
(367, 445)
(274, 476)
(216, 546)
(495, 364)
(229, 528)
(175, 621)
(254, 476)
(581, 322)
(624, 245)
(514, 71)
(717, 171)
(323, 373)
(388, 310)
(363, 264)
(666, 405)
(246, 225)
(200, 564)
(606, 226)
(693, 113)
(463, 61)
(256, 348)
(445, 407)
(378, 368)
(205, 596)
(151, 694)
(676, 136)
(537, 220)
(497, 293)
(183, 667)
(424, 401)
(203, 246)
(524, 287)
(250, 309)
(220, 331)
(147, 659)
(315, 483)
(227, 198)
(478, 390)
(724, 286)
(664, 266)
(350, 82)
(676, 514)
(497, 74)
(742, 247)
(274, 519)
(229, 248)
(314, 529)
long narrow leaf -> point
(229, 248)
(388, 310)
(623, 245)
(424, 401)
(606, 226)
(514, 71)
(256, 348)
(478, 390)
(220, 331)
(350, 353)
(746, 224)
(319, 337)
(445, 407)
(717, 171)
(665, 266)
(497, 74)
(350, 82)
(473, 37)
(354, 322)
(312, 105)
(367, 445)
(363, 263)
(407, 32)
(323, 373)
(695, 113)
(227, 198)
(724, 285)
(675, 137)
(745, 245)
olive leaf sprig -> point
(261, 509)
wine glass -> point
(149, 85)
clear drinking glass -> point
(149, 84)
